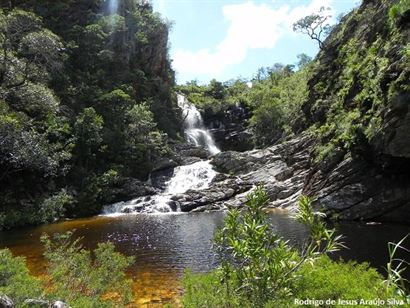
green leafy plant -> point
(259, 265)
(15, 279)
(395, 268)
(83, 278)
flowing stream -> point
(195, 176)
(195, 130)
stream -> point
(166, 245)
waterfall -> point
(112, 7)
(195, 176)
(195, 131)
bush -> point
(327, 279)
(83, 280)
(260, 269)
(15, 280)
(205, 290)
(54, 207)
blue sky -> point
(227, 39)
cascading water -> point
(112, 7)
(195, 176)
(195, 131)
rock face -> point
(344, 187)
(367, 179)
(281, 169)
(229, 127)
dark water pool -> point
(165, 245)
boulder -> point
(6, 302)
(59, 304)
(36, 303)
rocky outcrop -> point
(366, 175)
(229, 127)
(345, 188)
(354, 189)
(124, 188)
(281, 169)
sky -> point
(226, 39)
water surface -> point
(165, 245)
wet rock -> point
(126, 188)
(158, 179)
(174, 205)
(6, 302)
(164, 163)
(59, 304)
(37, 303)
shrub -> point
(54, 207)
(327, 279)
(205, 290)
(83, 280)
(260, 269)
(259, 265)
(15, 280)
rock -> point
(6, 302)
(36, 303)
(164, 163)
(228, 126)
(59, 304)
(234, 162)
(126, 188)
(174, 205)
(158, 179)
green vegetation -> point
(83, 94)
(260, 269)
(399, 9)
(81, 279)
(15, 280)
(274, 97)
(77, 276)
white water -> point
(195, 131)
(195, 176)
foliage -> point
(347, 104)
(54, 207)
(274, 97)
(257, 264)
(327, 279)
(76, 276)
(82, 279)
(206, 290)
(83, 90)
(260, 269)
(395, 269)
(15, 280)
(399, 9)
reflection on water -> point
(164, 245)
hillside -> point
(86, 105)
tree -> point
(87, 130)
(304, 60)
(314, 25)
(28, 52)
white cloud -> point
(251, 26)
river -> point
(166, 245)
(166, 242)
